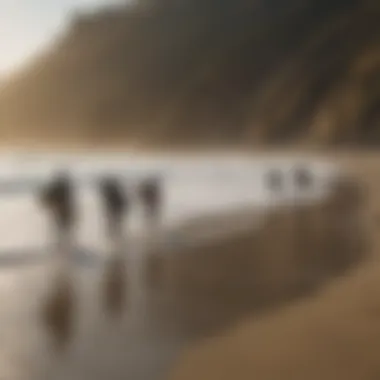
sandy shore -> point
(141, 344)
(332, 334)
(196, 281)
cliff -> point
(207, 71)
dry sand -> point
(333, 336)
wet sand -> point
(332, 334)
(141, 344)
(210, 274)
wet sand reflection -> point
(175, 296)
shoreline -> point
(148, 150)
(201, 290)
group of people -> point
(58, 198)
(302, 177)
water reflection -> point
(184, 281)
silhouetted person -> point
(115, 202)
(58, 198)
(303, 178)
(58, 308)
(151, 195)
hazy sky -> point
(27, 25)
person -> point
(58, 198)
(116, 203)
(58, 309)
(303, 178)
(151, 196)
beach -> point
(330, 334)
(208, 275)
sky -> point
(26, 26)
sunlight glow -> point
(28, 25)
